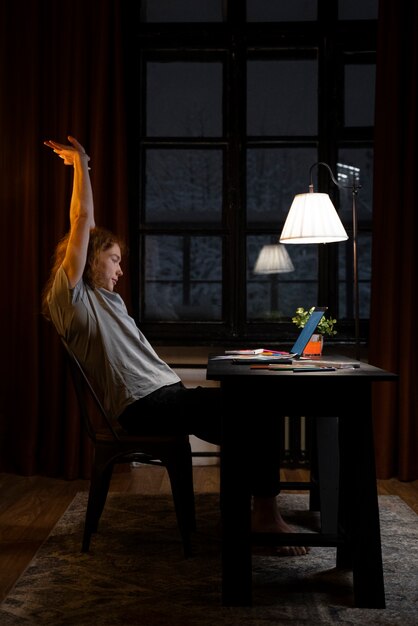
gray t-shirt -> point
(96, 325)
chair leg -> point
(180, 470)
(101, 475)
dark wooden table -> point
(255, 396)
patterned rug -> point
(135, 573)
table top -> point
(332, 367)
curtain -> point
(60, 74)
(393, 328)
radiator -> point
(296, 441)
(295, 448)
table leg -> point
(361, 510)
(235, 506)
(326, 432)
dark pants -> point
(177, 410)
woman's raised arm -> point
(81, 208)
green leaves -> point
(325, 326)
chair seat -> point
(104, 436)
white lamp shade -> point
(273, 259)
(312, 218)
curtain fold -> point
(61, 72)
(393, 335)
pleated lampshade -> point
(273, 259)
(312, 218)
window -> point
(233, 105)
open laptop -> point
(307, 331)
(298, 347)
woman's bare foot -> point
(266, 518)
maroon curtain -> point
(393, 326)
(60, 74)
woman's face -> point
(108, 268)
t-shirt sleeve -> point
(62, 299)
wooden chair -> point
(113, 445)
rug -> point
(135, 573)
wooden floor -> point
(31, 506)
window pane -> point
(274, 177)
(359, 93)
(181, 10)
(274, 296)
(184, 99)
(282, 97)
(281, 11)
(183, 185)
(183, 278)
(358, 9)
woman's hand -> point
(68, 152)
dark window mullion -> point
(236, 131)
(186, 287)
(230, 183)
(328, 128)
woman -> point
(137, 387)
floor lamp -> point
(312, 218)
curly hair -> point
(100, 240)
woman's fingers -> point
(76, 143)
(66, 152)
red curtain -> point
(393, 328)
(61, 72)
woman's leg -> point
(175, 410)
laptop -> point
(307, 331)
(298, 347)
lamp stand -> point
(355, 274)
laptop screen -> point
(308, 330)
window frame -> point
(234, 42)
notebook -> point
(298, 347)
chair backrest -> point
(83, 387)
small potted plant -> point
(325, 327)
